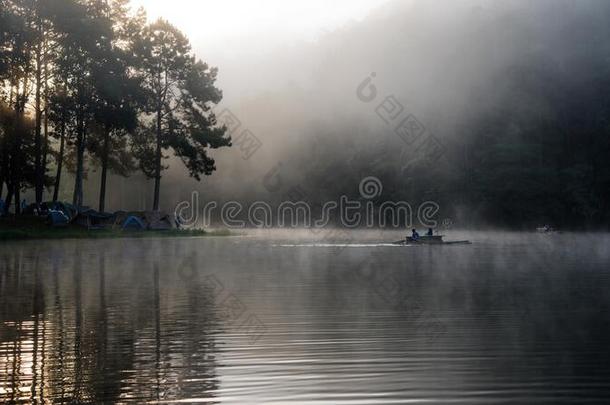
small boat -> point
(429, 240)
(547, 230)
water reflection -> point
(512, 318)
(101, 324)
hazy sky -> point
(229, 27)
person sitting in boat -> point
(430, 232)
(414, 235)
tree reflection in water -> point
(84, 325)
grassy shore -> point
(32, 228)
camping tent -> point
(92, 219)
(69, 210)
(133, 223)
(57, 218)
(158, 222)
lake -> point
(297, 317)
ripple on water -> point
(508, 320)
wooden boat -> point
(429, 240)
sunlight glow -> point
(249, 22)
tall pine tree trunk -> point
(17, 158)
(45, 150)
(158, 163)
(9, 198)
(38, 136)
(60, 160)
(17, 199)
(16, 167)
(104, 169)
(4, 166)
(77, 198)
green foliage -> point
(97, 75)
(181, 93)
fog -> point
(450, 64)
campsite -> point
(63, 221)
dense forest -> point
(88, 83)
(515, 92)
(519, 101)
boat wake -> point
(339, 245)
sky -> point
(256, 43)
(226, 28)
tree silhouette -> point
(181, 94)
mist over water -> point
(467, 71)
(513, 318)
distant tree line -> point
(539, 153)
(531, 143)
(88, 83)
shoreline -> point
(33, 229)
(68, 233)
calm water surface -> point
(306, 319)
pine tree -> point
(181, 94)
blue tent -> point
(68, 210)
(133, 223)
(57, 218)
